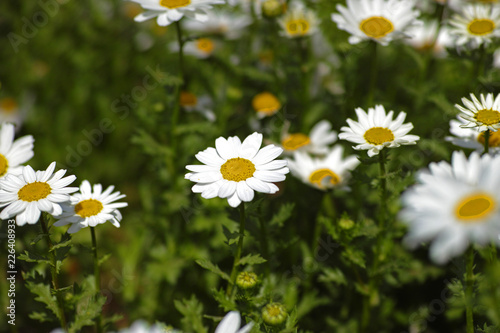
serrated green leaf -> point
(207, 264)
(33, 257)
(61, 245)
(39, 316)
(251, 259)
(44, 295)
(87, 309)
(333, 275)
(192, 310)
(282, 215)
(36, 239)
(224, 301)
(355, 256)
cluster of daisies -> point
(26, 193)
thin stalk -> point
(53, 273)
(383, 189)
(486, 141)
(265, 244)
(97, 277)
(373, 73)
(469, 289)
(177, 107)
(239, 249)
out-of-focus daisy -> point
(317, 142)
(13, 153)
(168, 11)
(10, 111)
(201, 48)
(298, 22)
(231, 324)
(229, 25)
(265, 104)
(141, 326)
(478, 24)
(471, 138)
(454, 205)
(89, 208)
(484, 114)
(235, 169)
(424, 38)
(30, 193)
(378, 20)
(496, 58)
(203, 104)
(323, 173)
(375, 130)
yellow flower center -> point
(8, 105)
(188, 99)
(488, 117)
(481, 27)
(474, 207)
(4, 165)
(295, 141)
(319, 176)
(376, 26)
(205, 45)
(237, 169)
(171, 4)
(297, 27)
(494, 140)
(266, 103)
(88, 208)
(34, 191)
(378, 135)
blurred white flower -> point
(229, 25)
(231, 324)
(476, 25)
(317, 142)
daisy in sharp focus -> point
(471, 138)
(298, 22)
(317, 142)
(235, 169)
(231, 324)
(378, 20)
(30, 193)
(484, 114)
(476, 25)
(375, 130)
(169, 11)
(13, 153)
(454, 205)
(91, 207)
(329, 172)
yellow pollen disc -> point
(171, 4)
(295, 141)
(376, 26)
(480, 27)
(475, 207)
(494, 140)
(205, 45)
(266, 103)
(8, 105)
(4, 165)
(34, 191)
(488, 117)
(378, 135)
(237, 169)
(318, 176)
(188, 99)
(297, 27)
(88, 208)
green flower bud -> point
(246, 280)
(274, 314)
(272, 8)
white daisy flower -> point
(13, 153)
(378, 20)
(471, 138)
(30, 193)
(424, 38)
(203, 104)
(320, 137)
(329, 172)
(235, 169)
(454, 205)
(478, 24)
(231, 324)
(168, 11)
(496, 58)
(90, 208)
(230, 25)
(265, 104)
(298, 22)
(200, 48)
(376, 130)
(10, 111)
(484, 114)
(141, 326)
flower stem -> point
(373, 73)
(383, 188)
(177, 107)
(264, 243)
(486, 141)
(239, 249)
(469, 289)
(53, 273)
(97, 277)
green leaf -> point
(207, 264)
(39, 316)
(355, 256)
(224, 301)
(282, 215)
(87, 309)
(33, 257)
(61, 245)
(103, 259)
(251, 259)
(44, 296)
(192, 310)
(333, 275)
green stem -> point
(265, 244)
(480, 63)
(469, 289)
(53, 273)
(486, 141)
(97, 277)
(237, 256)
(177, 107)
(383, 189)
(373, 73)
